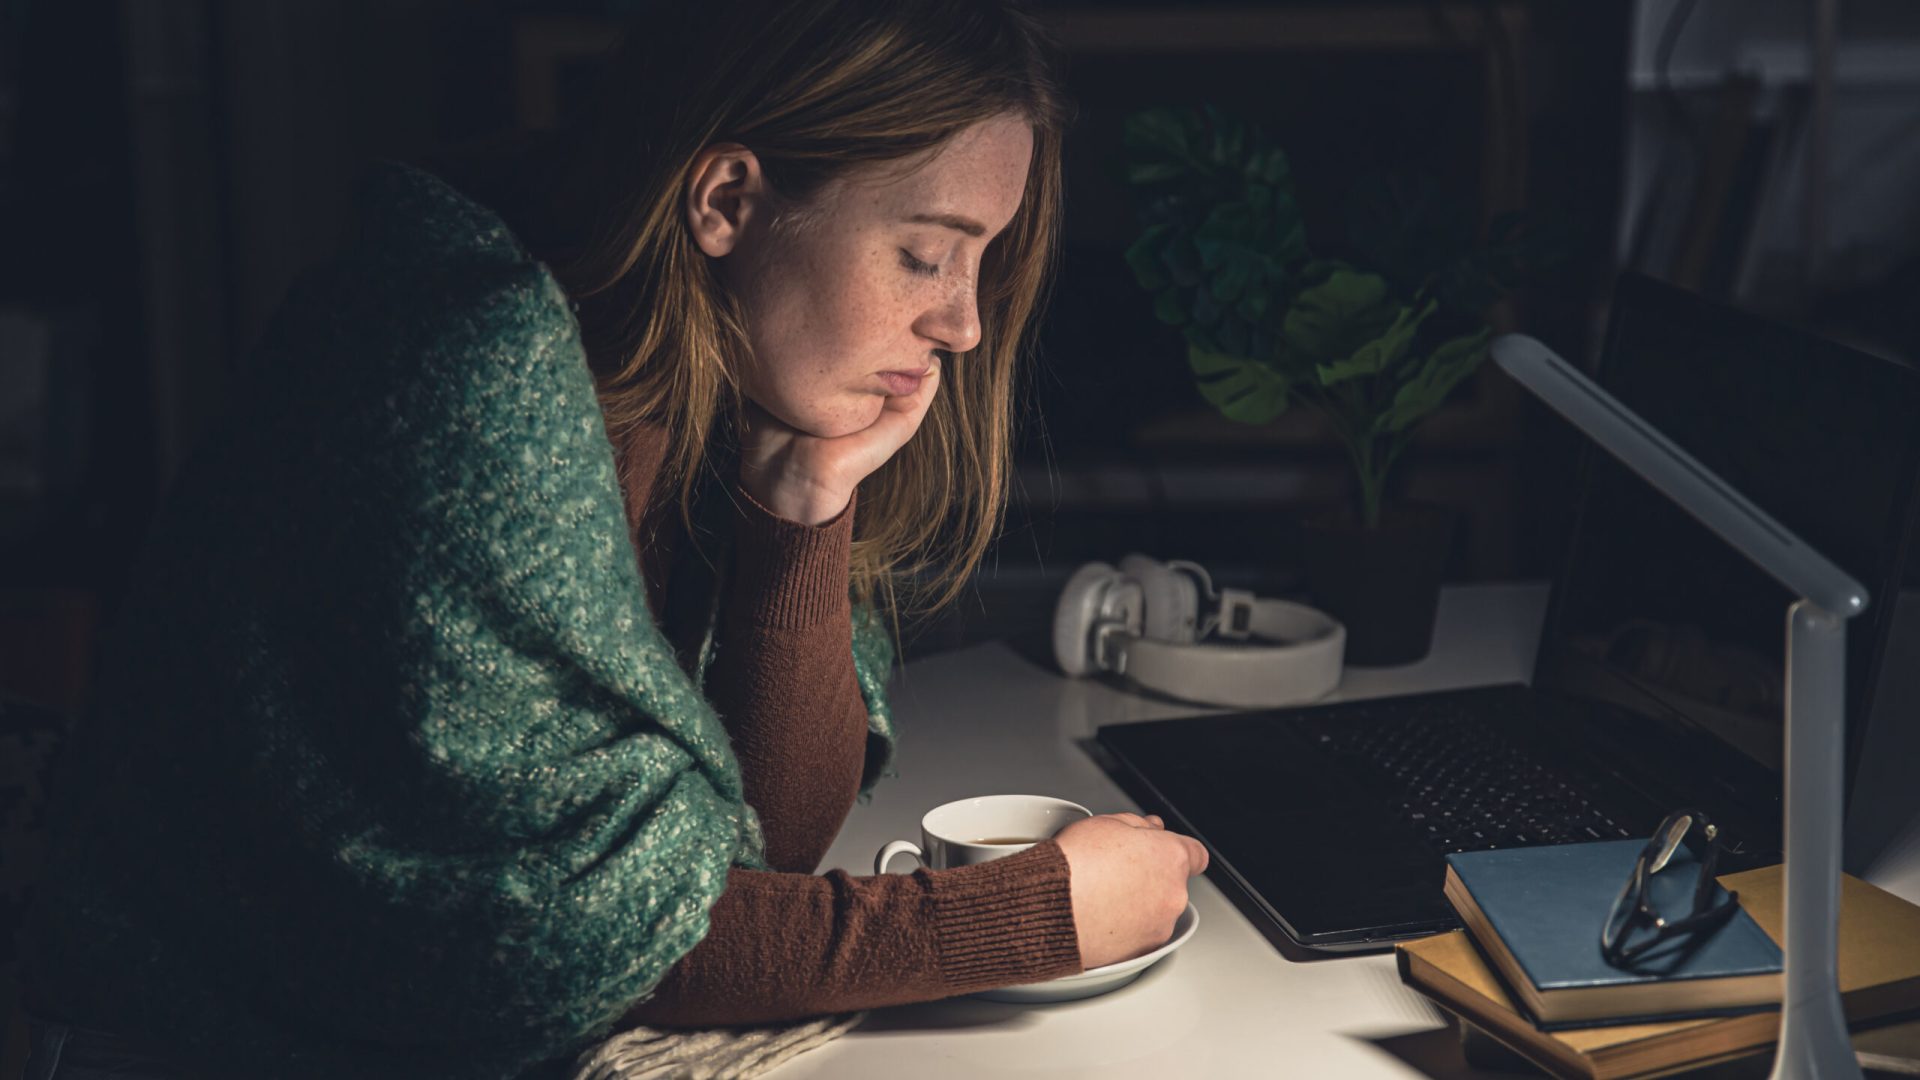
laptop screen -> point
(1653, 613)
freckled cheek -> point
(873, 325)
(845, 318)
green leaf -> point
(1229, 139)
(1293, 365)
(1317, 271)
(1181, 262)
(1293, 243)
(1153, 172)
(1382, 352)
(1209, 364)
(1232, 280)
(1264, 346)
(1451, 362)
(1200, 336)
(1404, 226)
(1169, 308)
(1269, 165)
(1161, 131)
(1243, 390)
(1236, 338)
(1332, 319)
(1144, 257)
(1205, 311)
(1228, 231)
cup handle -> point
(893, 848)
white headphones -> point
(1143, 621)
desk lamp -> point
(1813, 1031)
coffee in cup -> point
(982, 829)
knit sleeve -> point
(392, 773)
(785, 682)
(785, 946)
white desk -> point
(1227, 1004)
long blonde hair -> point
(815, 89)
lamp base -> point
(1814, 1045)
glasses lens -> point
(1626, 908)
(1672, 833)
(1619, 918)
(1671, 890)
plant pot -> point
(1383, 583)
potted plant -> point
(1374, 340)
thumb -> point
(902, 416)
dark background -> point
(167, 166)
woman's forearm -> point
(782, 680)
(786, 946)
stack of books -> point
(1527, 969)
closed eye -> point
(915, 265)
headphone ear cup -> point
(1170, 600)
(1075, 614)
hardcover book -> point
(1537, 913)
(1879, 979)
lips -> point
(900, 384)
(903, 383)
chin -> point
(854, 412)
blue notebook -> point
(1536, 913)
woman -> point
(401, 766)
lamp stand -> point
(1813, 1029)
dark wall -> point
(168, 166)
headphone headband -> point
(1101, 624)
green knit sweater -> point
(390, 773)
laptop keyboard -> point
(1459, 783)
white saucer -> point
(1101, 979)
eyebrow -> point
(951, 221)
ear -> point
(725, 189)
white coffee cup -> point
(982, 829)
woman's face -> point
(877, 275)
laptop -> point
(1658, 682)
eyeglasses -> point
(1632, 910)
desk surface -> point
(983, 719)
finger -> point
(891, 429)
(1134, 820)
(1196, 856)
(899, 418)
(1154, 820)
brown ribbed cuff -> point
(788, 574)
(1006, 922)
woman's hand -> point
(1129, 883)
(809, 479)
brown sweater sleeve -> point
(786, 946)
(782, 679)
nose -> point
(955, 324)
